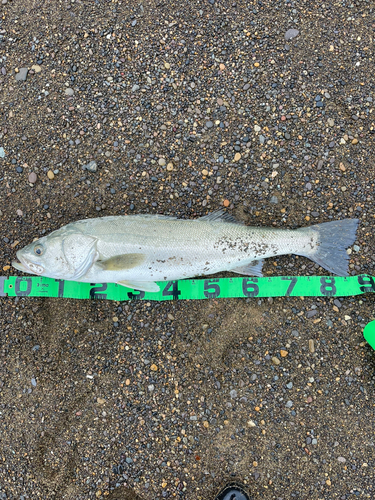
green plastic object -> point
(192, 289)
(369, 333)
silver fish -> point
(137, 250)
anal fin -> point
(254, 268)
(143, 286)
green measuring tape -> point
(196, 289)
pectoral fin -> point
(144, 286)
(122, 262)
(252, 269)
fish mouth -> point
(27, 267)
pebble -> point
(331, 122)
(226, 203)
(162, 162)
(311, 346)
(36, 68)
(275, 360)
(233, 393)
(237, 156)
(22, 74)
(50, 175)
(170, 167)
(257, 128)
(289, 385)
(2, 152)
(355, 141)
(135, 88)
(91, 167)
(274, 200)
(33, 382)
(292, 33)
(209, 124)
(341, 460)
(167, 65)
(289, 404)
(69, 91)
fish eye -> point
(38, 250)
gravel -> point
(260, 388)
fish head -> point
(60, 255)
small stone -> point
(204, 172)
(135, 88)
(251, 423)
(100, 401)
(256, 64)
(275, 360)
(283, 353)
(355, 141)
(209, 124)
(22, 74)
(69, 91)
(257, 128)
(356, 248)
(2, 152)
(167, 65)
(36, 68)
(162, 162)
(331, 122)
(33, 382)
(170, 167)
(226, 203)
(50, 175)
(292, 33)
(237, 156)
(341, 459)
(32, 178)
(91, 167)
(154, 368)
(274, 200)
(233, 393)
(311, 346)
(342, 167)
(222, 67)
(342, 141)
(289, 385)
(289, 404)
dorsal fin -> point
(220, 216)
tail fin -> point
(334, 238)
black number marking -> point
(17, 287)
(60, 292)
(136, 296)
(292, 284)
(249, 287)
(94, 291)
(211, 289)
(175, 292)
(367, 282)
(327, 286)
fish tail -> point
(333, 240)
